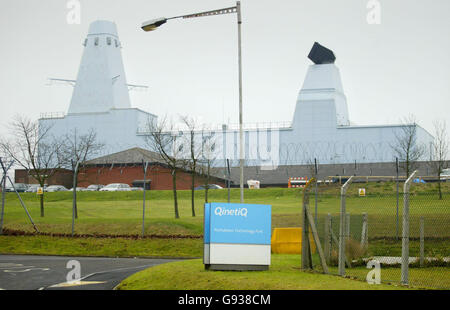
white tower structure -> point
(100, 99)
(101, 82)
(322, 84)
(321, 128)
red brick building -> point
(126, 167)
(61, 177)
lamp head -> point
(153, 24)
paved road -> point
(29, 272)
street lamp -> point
(155, 23)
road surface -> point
(30, 272)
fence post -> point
(23, 205)
(3, 203)
(327, 238)
(317, 241)
(315, 191)
(422, 241)
(144, 166)
(74, 199)
(306, 248)
(347, 226)
(342, 228)
(228, 179)
(364, 233)
(405, 231)
(5, 167)
(396, 181)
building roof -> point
(131, 156)
(135, 156)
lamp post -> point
(155, 23)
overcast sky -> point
(390, 70)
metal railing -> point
(228, 127)
(52, 115)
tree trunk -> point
(407, 165)
(174, 187)
(439, 187)
(207, 184)
(75, 184)
(193, 193)
(41, 200)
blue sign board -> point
(236, 223)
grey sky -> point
(390, 70)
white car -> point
(94, 187)
(116, 187)
(134, 189)
(445, 175)
(32, 188)
(79, 189)
(55, 188)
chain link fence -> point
(372, 229)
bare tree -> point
(77, 149)
(207, 158)
(163, 139)
(440, 149)
(195, 152)
(34, 150)
(406, 146)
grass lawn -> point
(120, 213)
(104, 247)
(284, 274)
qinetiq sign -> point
(237, 236)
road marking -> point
(77, 283)
(9, 265)
(26, 270)
(64, 284)
(18, 268)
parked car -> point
(210, 186)
(20, 187)
(8, 188)
(94, 187)
(55, 188)
(32, 188)
(116, 187)
(79, 189)
(133, 189)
